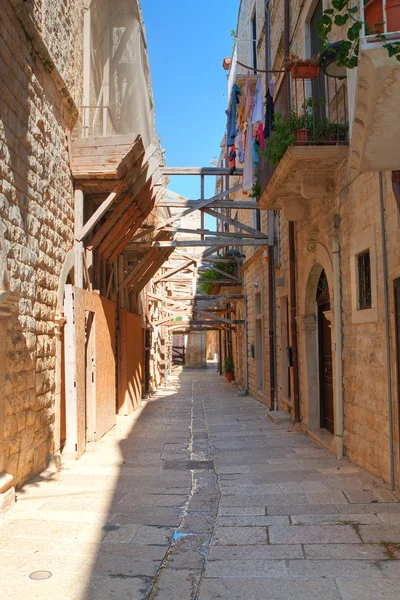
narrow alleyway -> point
(200, 496)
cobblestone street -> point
(200, 496)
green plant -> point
(255, 191)
(228, 365)
(295, 60)
(207, 287)
(342, 13)
(281, 138)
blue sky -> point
(187, 42)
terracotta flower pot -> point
(302, 136)
(301, 71)
(216, 289)
(373, 13)
(229, 376)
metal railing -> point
(317, 115)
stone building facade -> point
(72, 146)
(333, 215)
(39, 94)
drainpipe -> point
(293, 327)
(387, 326)
(271, 310)
(246, 345)
(337, 301)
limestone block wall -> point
(60, 25)
(36, 213)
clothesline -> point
(262, 70)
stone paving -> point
(199, 496)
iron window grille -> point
(364, 281)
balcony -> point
(309, 143)
(374, 108)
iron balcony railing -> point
(315, 112)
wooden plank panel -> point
(131, 362)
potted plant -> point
(304, 69)
(344, 13)
(281, 138)
(208, 287)
(228, 368)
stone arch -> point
(316, 261)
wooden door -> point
(326, 381)
(397, 320)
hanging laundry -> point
(239, 141)
(260, 136)
(269, 114)
(256, 157)
(248, 173)
(271, 87)
(258, 114)
(247, 99)
(232, 159)
(231, 127)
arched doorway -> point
(325, 356)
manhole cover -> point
(38, 575)
(111, 527)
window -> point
(364, 280)
(363, 276)
(253, 33)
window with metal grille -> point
(364, 280)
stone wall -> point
(351, 214)
(36, 210)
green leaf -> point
(354, 31)
(353, 62)
(341, 20)
(339, 4)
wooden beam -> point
(138, 269)
(201, 204)
(212, 171)
(233, 204)
(166, 276)
(213, 317)
(102, 209)
(208, 242)
(254, 232)
(234, 222)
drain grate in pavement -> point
(188, 465)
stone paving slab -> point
(202, 497)
(270, 589)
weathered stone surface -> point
(288, 551)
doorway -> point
(325, 356)
(259, 344)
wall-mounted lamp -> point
(255, 284)
(329, 62)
